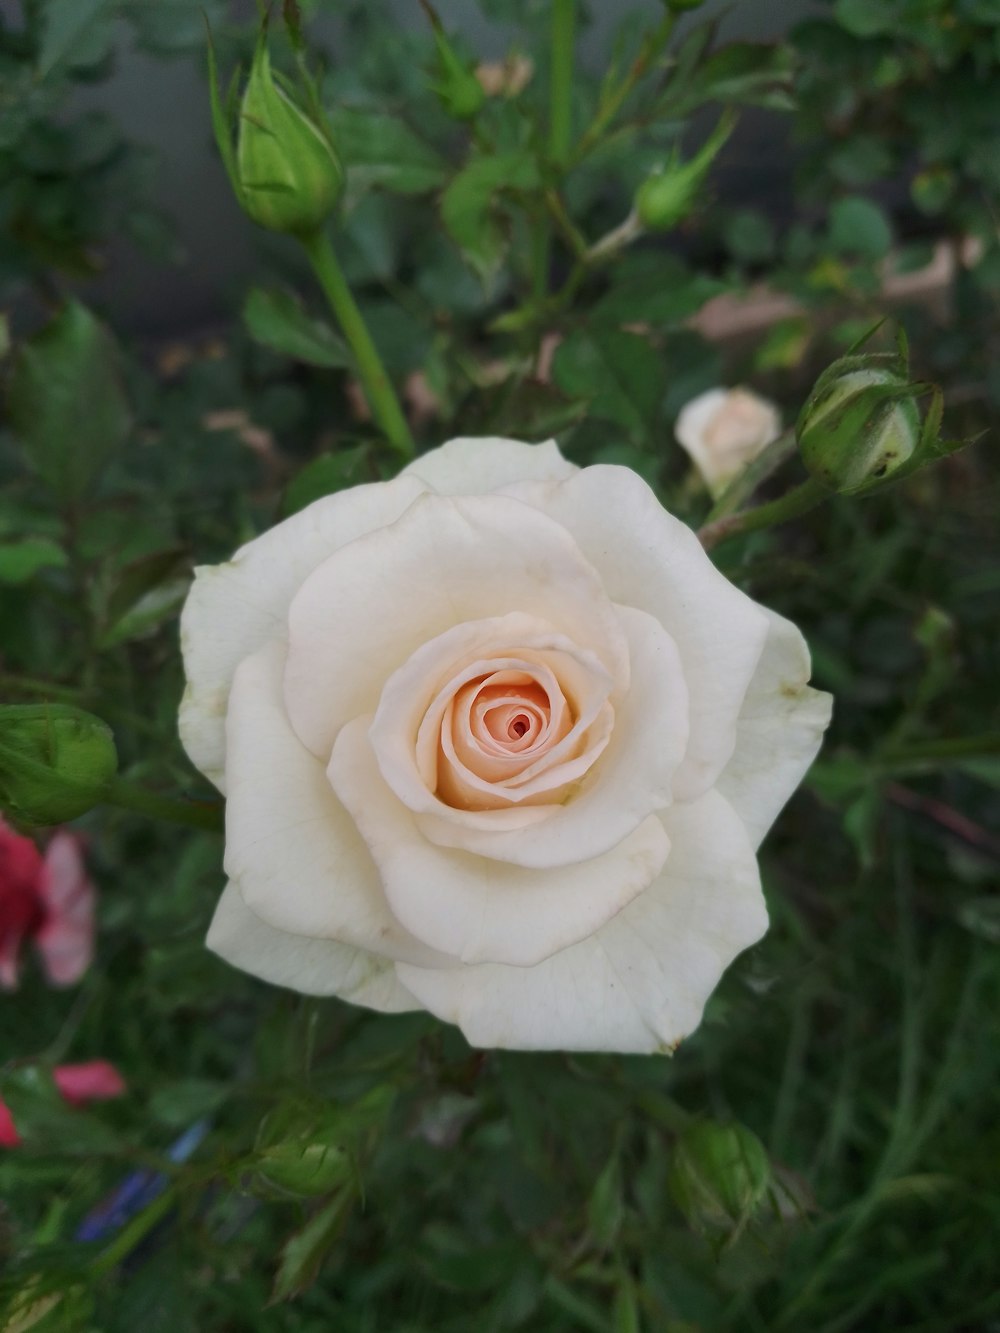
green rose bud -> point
(56, 762)
(861, 422)
(284, 170)
(669, 195)
(719, 1174)
(304, 1166)
(459, 91)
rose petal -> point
(9, 1137)
(66, 940)
(235, 608)
(779, 732)
(313, 966)
(649, 559)
(633, 777)
(290, 845)
(476, 909)
(89, 1081)
(639, 983)
(476, 466)
(366, 609)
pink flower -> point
(90, 1081)
(47, 900)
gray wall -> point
(163, 105)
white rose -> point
(724, 430)
(498, 741)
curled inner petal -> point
(517, 722)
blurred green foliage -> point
(372, 1173)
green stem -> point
(798, 501)
(191, 814)
(613, 103)
(755, 474)
(561, 90)
(376, 383)
(137, 1230)
(933, 754)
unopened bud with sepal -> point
(670, 194)
(719, 1175)
(56, 762)
(862, 425)
(457, 87)
(280, 156)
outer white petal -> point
(631, 779)
(365, 610)
(479, 910)
(640, 983)
(650, 560)
(315, 967)
(291, 847)
(779, 732)
(235, 608)
(473, 466)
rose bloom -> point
(47, 901)
(497, 741)
(724, 430)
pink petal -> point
(21, 907)
(9, 1137)
(91, 1081)
(66, 940)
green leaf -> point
(47, 1123)
(656, 289)
(303, 1253)
(21, 561)
(179, 1103)
(77, 31)
(620, 373)
(467, 203)
(279, 321)
(751, 73)
(326, 475)
(867, 18)
(66, 402)
(859, 227)
(606, 1206)
(382, 151)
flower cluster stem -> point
(795, 502)
(374, 379)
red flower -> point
(47, 900)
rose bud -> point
(56, 762)
(285, 171)
(458, 89)
(861, 422)
(723, 430)
(667, 196)
(719, 1174)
